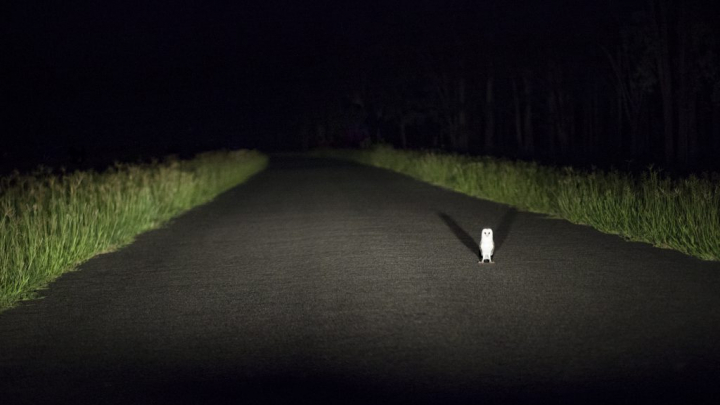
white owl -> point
(487, 245)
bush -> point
(49, 224)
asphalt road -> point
(327, 282)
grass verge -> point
(679, 214)
(49, 224)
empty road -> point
(327, 282)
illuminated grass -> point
(49, 224)
(678, 214)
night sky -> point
(128, 78)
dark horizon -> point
(88, 83)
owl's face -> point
(487, 233)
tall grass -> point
(679, 214)
(51, 223)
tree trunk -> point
(587, 125)
(566, 121)
(489, 114)
(403, 132)
(661, 18)
(715, 112)
(529, 146)
(462, 117)
(518, 117)
(617, 136)
(683, 91)
(597, 128)
(692, 124)
(552, 123)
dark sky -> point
(132, 73)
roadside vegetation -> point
(50, 223)
(681, 214)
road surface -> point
(321, 281)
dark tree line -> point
(646, 90)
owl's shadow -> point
(500, 232)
